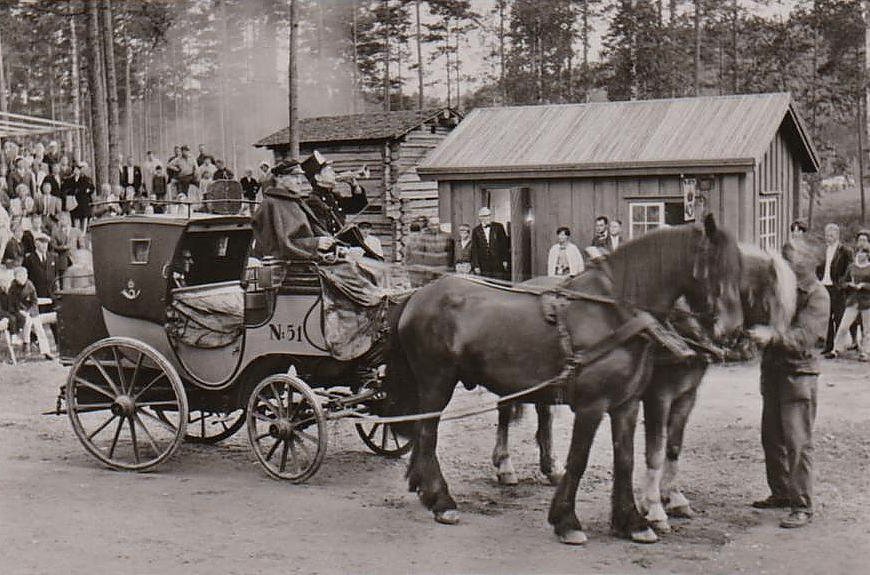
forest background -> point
(147, 75)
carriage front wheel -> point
(286, 428)
(126, 403)
(383, 440)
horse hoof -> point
(660, 526)
(508, 478)
(555, 477)
(449, 517)
(573, 537)
(645, 536)
(682, 511)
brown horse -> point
(768, 295)
(453, 329)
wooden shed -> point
(541, 167)
(391, 144)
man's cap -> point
(287, 167)
(185, 147)
(314, 163)
(40, 237)
(484, 211)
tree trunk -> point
(99, 111)
(734, 56)
(501, 43)
(696, 67)
(128, 95)
(111, 82)
(77, 104)
(585, 34)
(4, 103)
(355, 71)
(224, 66)
(419, 60)
(293, 83)
(865, 97)
(387, 57)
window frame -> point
(660, 204)
(768, 220)
(133, 243)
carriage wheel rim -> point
(286, 428)
(382, 439)
(127, 435)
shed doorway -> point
(513, 208)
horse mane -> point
(780, 294)
(648, 260)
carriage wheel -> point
(286, 428)
(383, 440)
(126, 404)
(210, 427)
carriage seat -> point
(207, 316)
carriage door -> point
(512, 207)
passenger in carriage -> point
(284, 226)
(182, 269)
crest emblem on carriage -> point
(130, 292)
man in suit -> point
(131, 175)
(614, 235)
(41, 266)
(55, 181)
(599, 239)
(832, 274)
(490, 247)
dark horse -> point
(768, 295)
(454, 329)
(768, 292)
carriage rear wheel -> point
(286, 428)
(126, 404)
(383, 440)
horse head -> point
(714, 292)
(768, 289)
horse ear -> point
(710, 227)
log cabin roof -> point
(730, 132)
(354, 127)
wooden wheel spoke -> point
(115, 438)
(268, 403)
(89, 385)
(263, 417)
(395, 438)
(102, 427)
(133, 439)
(153, 417)
(147, 387)
(147, 433)
(273, 449)
(371, 434)
(281, 410)
(135, 372)
(105, 375)
(262, 436)
(307, 436)
(120, 368)
(305, 448)
(284, 453)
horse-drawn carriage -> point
(182, 339)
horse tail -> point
(400, 385)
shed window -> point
(767, 222)
(645, 216)
(139, 250)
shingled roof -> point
(370, 126)
(616, 136)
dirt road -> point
(212, 510)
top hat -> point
(314, 163)
(287, 167)
(484, 211)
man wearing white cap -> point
(490, 247)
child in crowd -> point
(24, 303)
(857, 303)
(158, 188)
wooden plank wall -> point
(412, 196)
(776, 173)
(576, 202)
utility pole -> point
(419, 60)
(4, 103)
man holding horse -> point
(789, 381)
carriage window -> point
(140, 250)
(645, 216)
(223, 243)
(767, 222)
